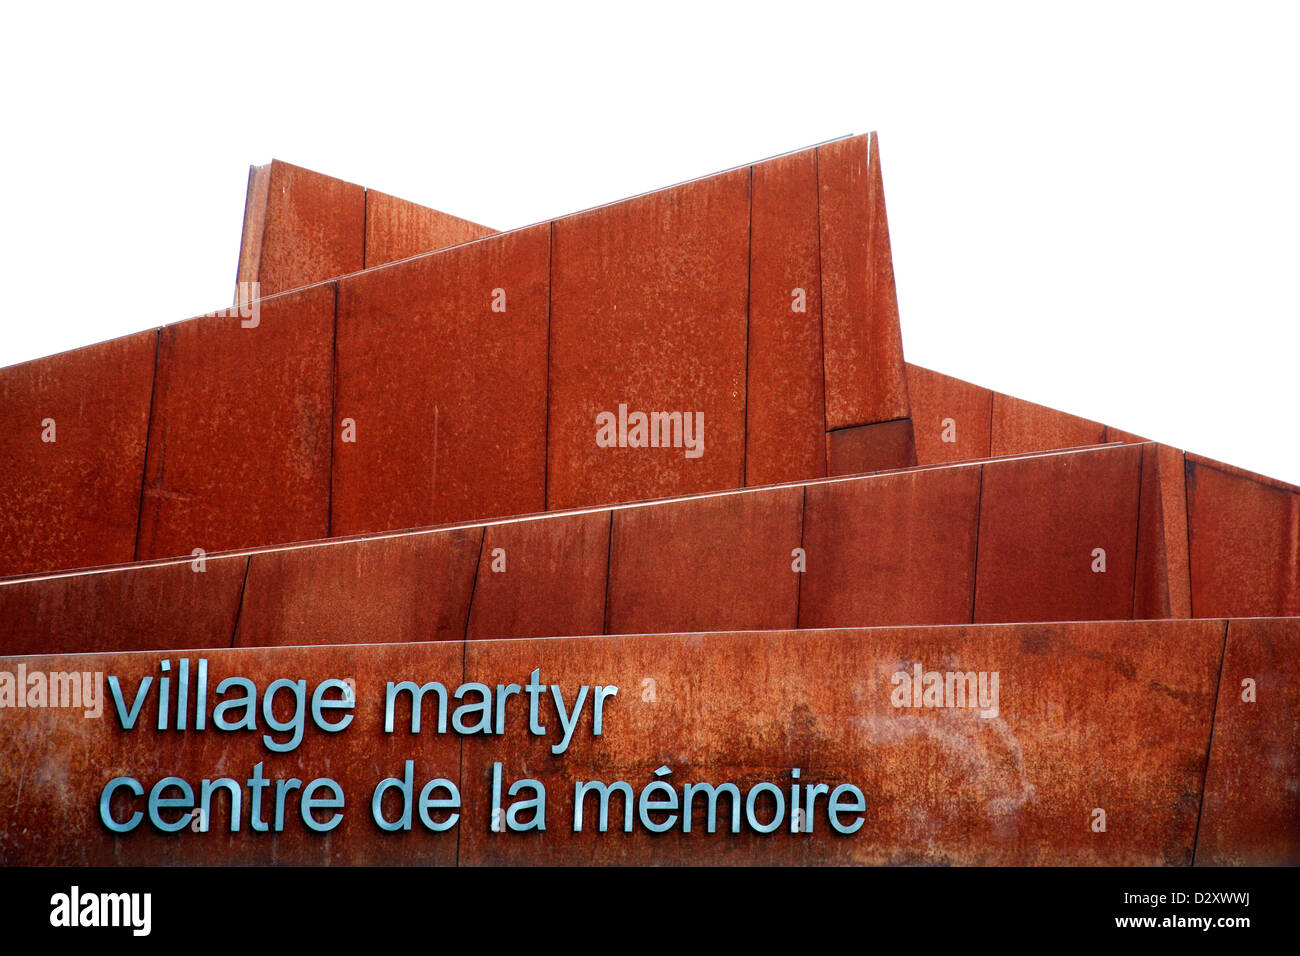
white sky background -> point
(1094, 206)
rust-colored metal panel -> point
(441, 373)
(542, 578)
(1163, 584)
(722, 562)
(952, 419)
(311, 227)
(239, 441)
(891, 549)
(1251, 806)
(55, 762)
(73, 429)
(397, 229)
(1244, 541)
(786, 415)
(400, 588)
(1044, 523)
(1128, 438)
(648, 315)
(853, 451)
(865, 378)
(182, 604)
(896, 548)
(1020, 427)
(1078, 730)
(250, 240)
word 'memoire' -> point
(969, 689)
(651, 430)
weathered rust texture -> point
(73, 429)
(648, 312)
(542, 578)
(865, 378)
(895, 548)
(378, 590)
(1163, 585)
(952, 419)
(1251, 812)
(446, 394)
(891, 549)
(239, 441)
(300, 227)
(1244, 542)
(397, 229)
(865, 448)
(1078, 727)
(1043, 522)
(1020, 426)
(178, 604)
(56, 762)
(722, 562)
(786, 414)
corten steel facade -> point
(385, 464)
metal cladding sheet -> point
(1058, 537)
(239, 441)
(180, 604)
(785, 415)
(866, 380)
(648, 327)
(73, 429)
(397, 229)
(866, 448)
(405, 588)
(440, 404)
(1251, 814)
(1244, 540)
(1016, 743)
(312, 228)
(952, 419)
(1020, 427)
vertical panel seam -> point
(464, 654)
(979, 519)
(473, 588)
(239, 606)
(148, 430)
(1187, 506)
(988, 450)
(334, 410)
(1137, 540)
(546, 397)
(1290, 589)
(609, 572)
(821, 298)
(803, 550)
(460, 760)
(1209, 744)
(365, 227)
(749, 300)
